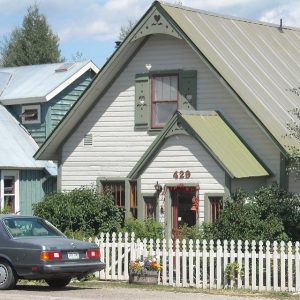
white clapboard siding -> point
(203, 264)
(204, 169)
(112, 118)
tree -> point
(125, 30)
(33, 43)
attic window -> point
(88, 140)
(31, 114)
(65, 67)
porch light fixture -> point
(158, 187)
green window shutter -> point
(188, 90)
(142, 101)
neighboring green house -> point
(33, 100)
(40, 95)
(190, 107)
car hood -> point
(54, 243)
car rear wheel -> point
(8, 278)
(58, 283)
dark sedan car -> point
(32, 248)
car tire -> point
(8, 278)
(58, 283)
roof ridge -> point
(214, 14)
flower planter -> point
(144, 277)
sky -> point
(91, 27)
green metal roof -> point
(224, 144)
(259, 61)
(211, 131)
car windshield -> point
(30, 227)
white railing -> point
(206, 264)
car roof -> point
(4, 216)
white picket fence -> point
(202, 264)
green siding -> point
(53, 111)
(33, 187)
(61, 103)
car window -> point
(30, 227)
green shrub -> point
(148, 228)
(269, 214)
(83, 210)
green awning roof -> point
(224, 145)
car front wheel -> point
(58, 283)
(8, 277)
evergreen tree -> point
(33, 43)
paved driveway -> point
(75, 293)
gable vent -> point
(88, 140)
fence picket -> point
(184, 265)
(290, 267)
(260, 266)
(211, 264)
(177, 263)
(171, 263)
(268, 266)
(297, 268)
(219, 264)
(120, 258)
(225, 261)
(275, 266)
(282, 266)
(240, 262)
(113, 256)
(191, 263)
(126, 255)
(204, 264)
(247, 257)
(253, 266)
(197, 263)
(164, 262)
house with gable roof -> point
(189, 108)
(33, 100)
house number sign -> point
(182, 174)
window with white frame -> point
(31, 114)
(9, 191)
(164, 99)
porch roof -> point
(218, 138)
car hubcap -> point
(3, 274)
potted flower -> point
(144, 270)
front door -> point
(181, 209)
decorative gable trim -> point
(156, 23)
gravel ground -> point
(106, 292)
